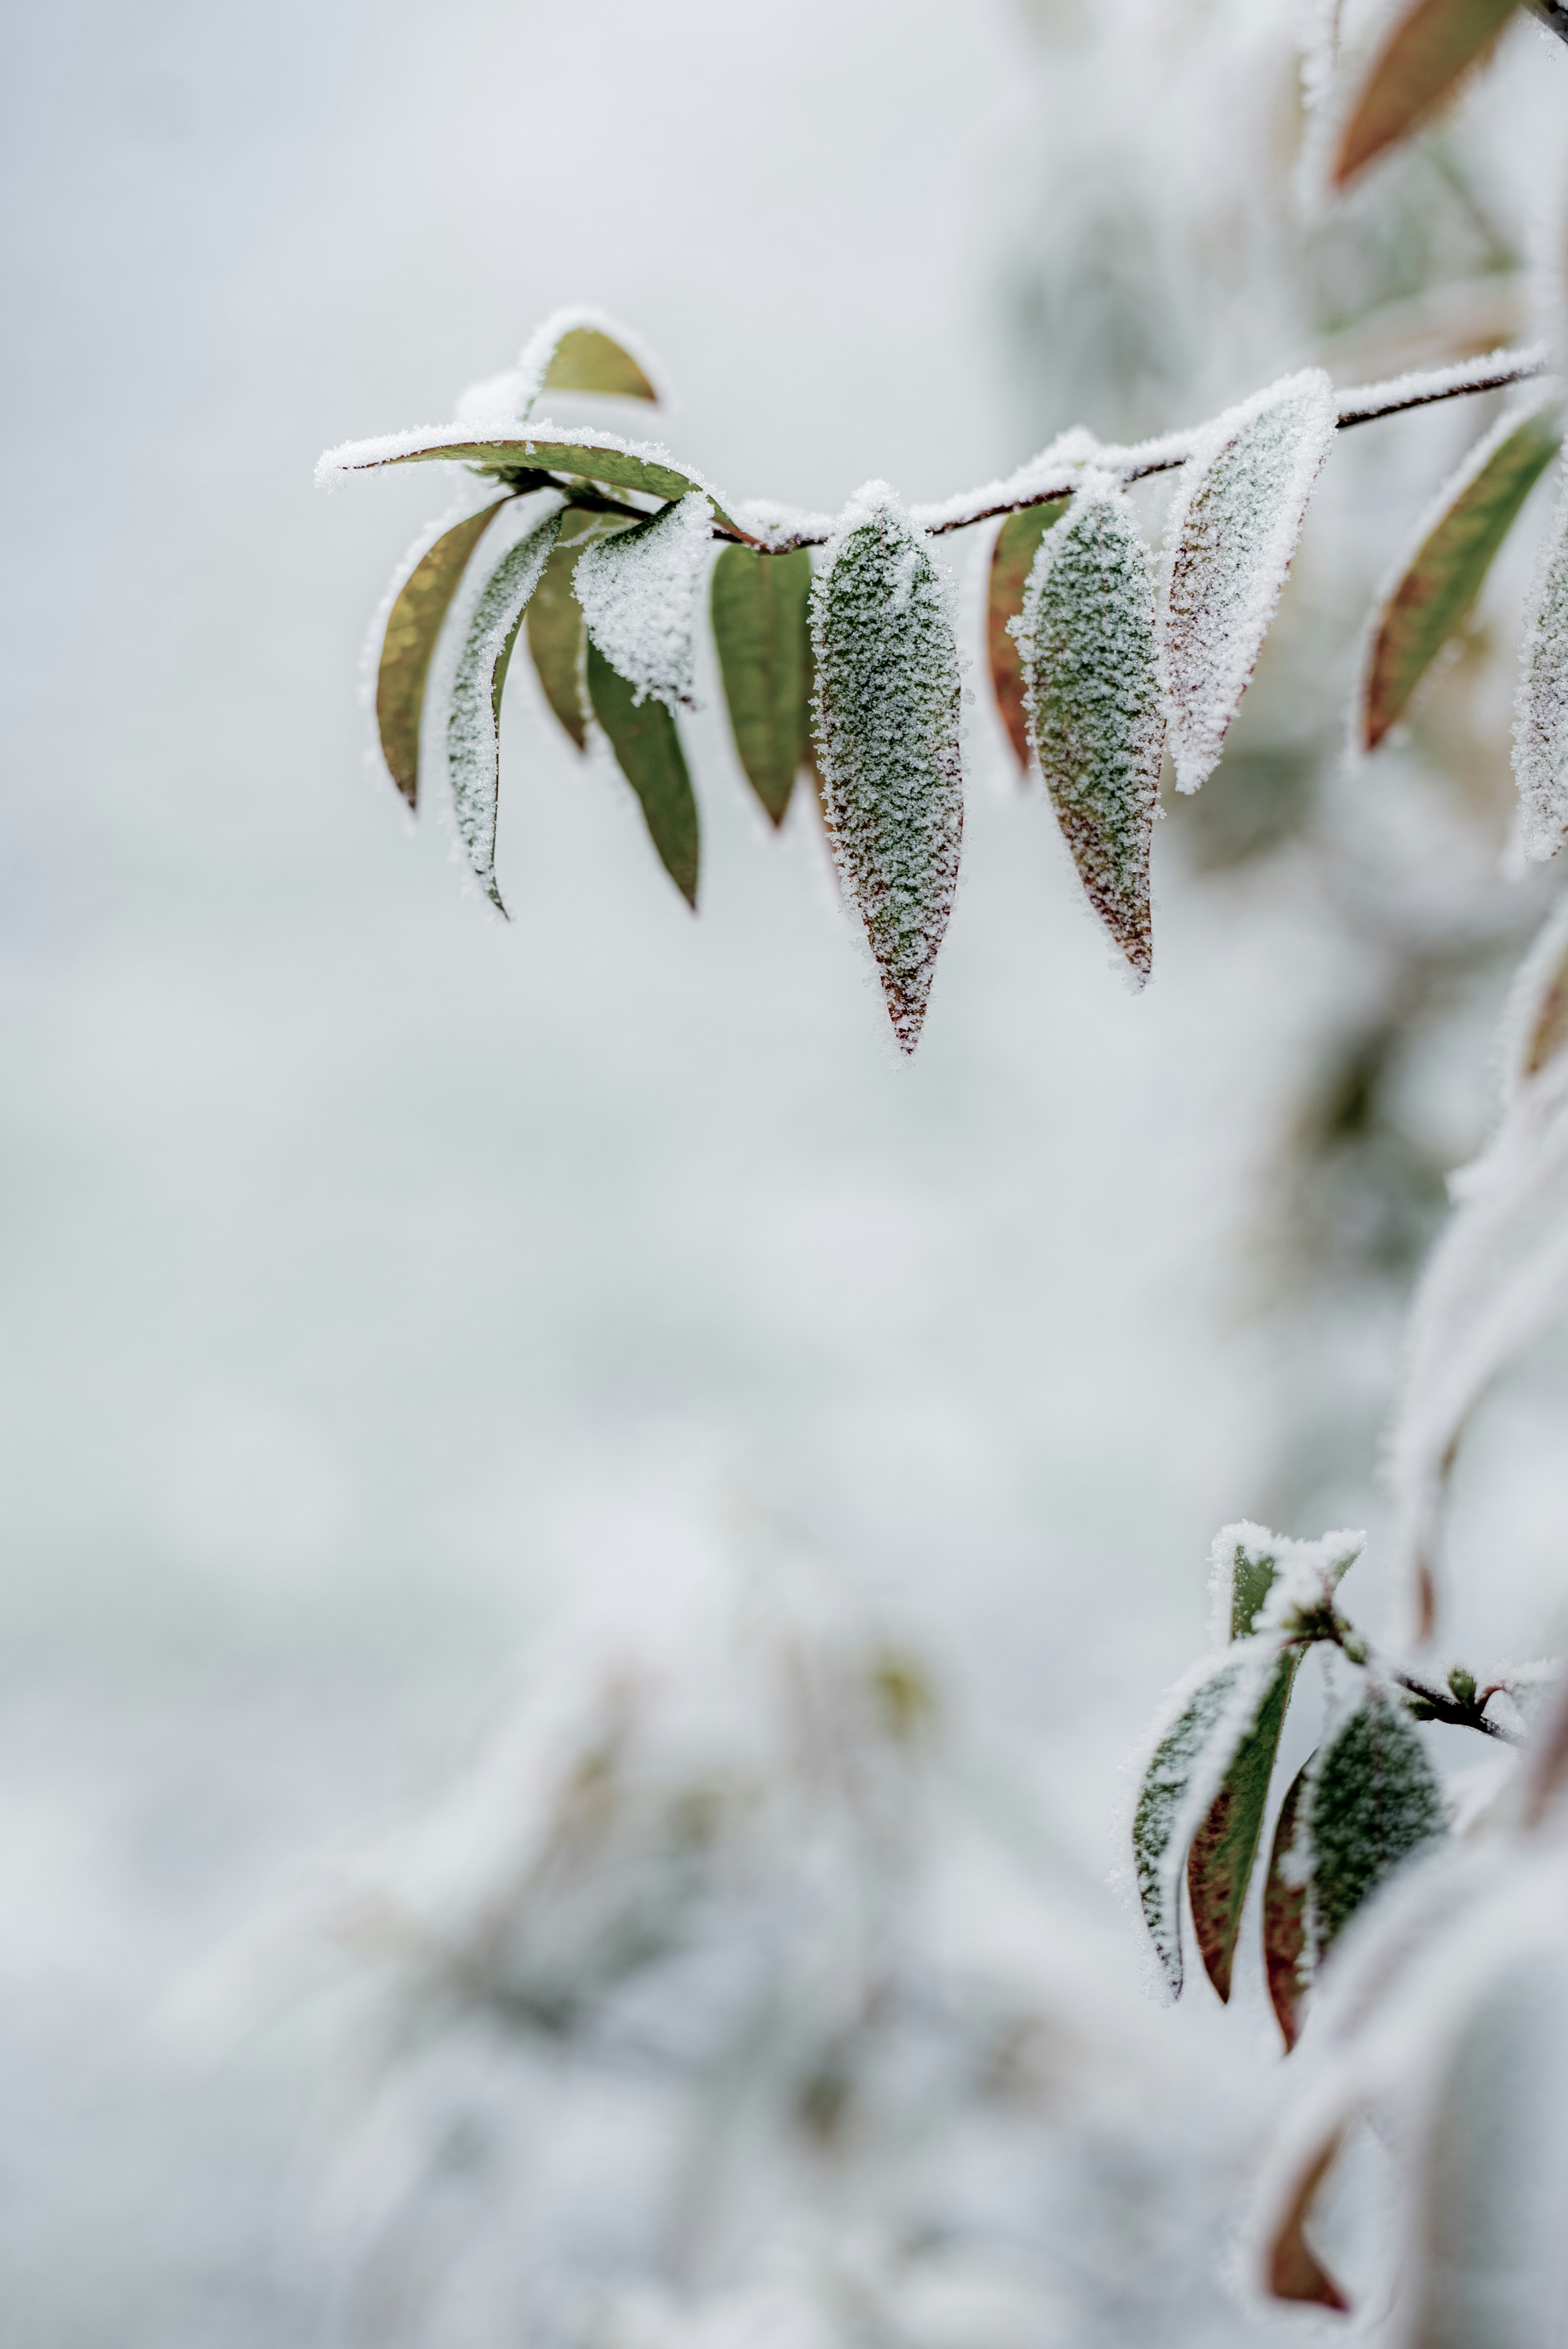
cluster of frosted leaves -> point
(639, 593)
(1541, 714)
(886, 715)
(1233, 525)
(1092, 695)
(472, 717)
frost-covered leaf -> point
(555, 624)
(1436, 583)
(474, 710)
(412, 628)
(1417, 68)
(1248, 1566)
(587, 359)
(1284, 1917)
(638, 591)
(1534, 1026)
(1212, 1717)
(1091, 692)
(603, 457)
(649, 752)
(1541, 709)
(1231, 531)
(761, 628)
(1293, 2271)
(1012, 559)
(1220, 1862)
(1372, 1799)
(885, 714)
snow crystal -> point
(1419, 385)
(1273, 1577)
(886, 721)
(638, 591)
(1371, 1800)
(1055, 472)
(1541, 709)
(1230, 534)
(520, 444)
(473, 699)
(1091, 694)
(782, 525)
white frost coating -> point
(639, 594)
(534, 360)
(1230, 536)
(352, 457)
(1418, 385)
(470, 699)
(1054, 472)
(1541, 706)
(1533, 1029)
(1305, 1573)
(782, 525)
(473, 495)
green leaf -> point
(1441, 582)
(555, 634)
(1285, 1919)
(1417, 71)
(473, 716)
(587, 359)
(760, 627)
(1091, 694)
(1373, 1799)
(649, 750)
(886, 722)
(610, 468)
(1220, 1863)
(1540, 704)
(1012, 558)
(412, 628)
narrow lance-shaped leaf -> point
(1220, 1862)
(638, 591)
(413, 625)
(601, 457)
(1284, 1917)
(648, 750)
(761, 628)
(473, 716)
(1541, 709)
(1372, 1800)
(1012, 558)
(1293, 2271)
(1434, 587)
(1431, 46)
(555, 624)
(886, 713)
(1091, 692)
(1233, 524)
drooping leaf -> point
(1372, 1800)
(1293, 2270)
(1091, 693)
(1284, 1918)
(1541, 706)
(1434, 587)
(412, 628)
(885, 713)
(1012, 558)
(649, 752)
(1431, 46)
(600, 458)
(638, 591)
(1179, 1786)
(555, 623)
(1219, 1861)
(761, 628)
(473, 714)
(1231, 531)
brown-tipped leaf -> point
(1438, 586)
(412, 628)
(1293, 2270)
(649, 752)
(1423, 59)
(1285, 1921)
(1220, 1862)
(761, 628)
(1012, 559)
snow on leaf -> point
(1285, 1919)
(1435, 584)
(413, 625)
(1012, 558)
(1540, 708)
(1231, 531)
(885, 713)
(1417, 68)
(580, 349)
(761, 628)
(555, 624)
(607, 459)
(1091, 692)
(1372, 1799)
(1219, 1861)
(1534, 1026)
(647, 748)
(638, 591)
(473, 712)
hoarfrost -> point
(1230, 534)
(885, 716)
(1372, 1800)
(638, 591)
(1091, 694)
(473, 708)
(534, 360)
(350, 457)
(1541, 709)
(1257, 1579)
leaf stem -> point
(1433, 1703)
